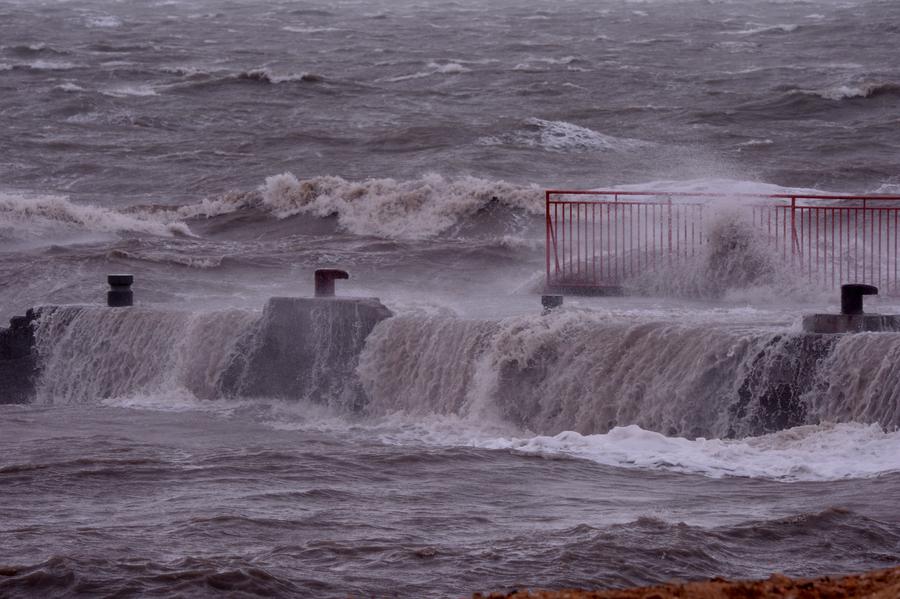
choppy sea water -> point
(222, 151)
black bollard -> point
(325, 278)
(852, 297)
(551, 302)
(120, 294)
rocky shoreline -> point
(878, 584)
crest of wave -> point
(409, 209)
(21, 216)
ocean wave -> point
(268, 76)
(32, 49)
(70, 87)
(31, 217)
(827, 452)
(191, 576)
(47, 65)
(541, 64)
(203, 75)
(170, 258)
(104, 22)
(390, 208)
(755, 29)
(296, 29)
(807, 453)
(862, 90)
(561, 136)
(107, 47)
(411, 209)
(434, 68)
(124, 91)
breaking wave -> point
(394, 209)
(448, 68)
(560, 136)
(863, 90)
(268, 76)
(622, 390)
(47, 65)
(804, 453)
(389, 208)
(206, 77)
(590, 373)
(23, 217)
(756, 29)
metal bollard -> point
(120, 294)
(852, 297)
(325, 278)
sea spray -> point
(89, 353)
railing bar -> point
(809, 245)
(879, 247)
(841, 237)
(608, 241)
(670, 231)
(856, 245)
(594, 243)
(547, 235)
(834, 251)
(571, 249)
(578, 241)
(818, 244)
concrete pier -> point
(305, 348)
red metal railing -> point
(598, 239)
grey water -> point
(221, 151)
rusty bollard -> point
(852, 297)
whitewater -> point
(223, 152)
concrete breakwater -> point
(297, 347)
(567, 370)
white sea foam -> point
(737, 47)
(756, 142)
(106, 21)
(450, 68)
(5, 67)
(719, 186)
(51, 65)
(267, 75)
(561, 136)
(806, 453)
(755, 28)
(861, 90)
(540, 64)
(70, 87)
(435, 68)
(297, 29)
(124, 91)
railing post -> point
(795, 240)
(547, 241)
(669, 211)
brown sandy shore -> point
(879, 584)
